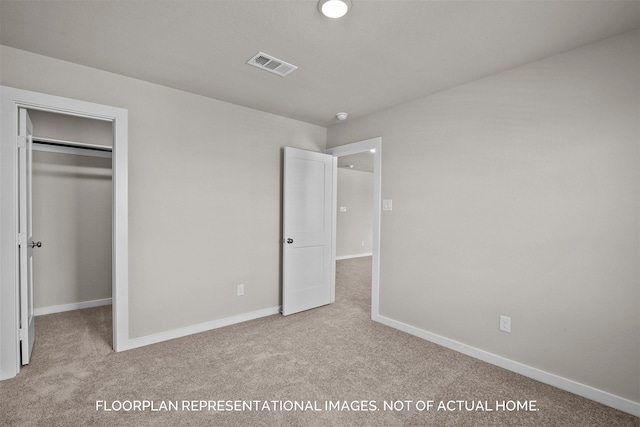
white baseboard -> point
(68, 307)
(338, 258)
(571, 386)
(201, 327)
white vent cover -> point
(271, 64)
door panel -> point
(25, 229)
(307, 227)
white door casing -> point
(11, 100)
(25, 234)
(308, 190)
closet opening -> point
(16, 229)
(72, 199)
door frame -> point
(10, 100)
(355, 148)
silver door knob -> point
(36, 244)
(289, 241)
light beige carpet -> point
(327, 356)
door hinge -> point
(23, 334)
(22, 239)
(22, 141)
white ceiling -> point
(381, 54)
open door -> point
(25, 235)
(307, 270)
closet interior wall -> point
(72, 210)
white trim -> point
(334, 226)
(69, 307)
(361, 147)
(10, 100)
(201, 327)
(566, 384)
(339, 258)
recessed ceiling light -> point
(334, 8)
(342, 116)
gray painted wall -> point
(72, 217)
(71, 128)
(518, 194)
(204, 192)
(354, 227)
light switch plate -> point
(387, 205)
(343, 208)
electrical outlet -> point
(240, 290)
(505, 324)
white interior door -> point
(25, 234)
(307, 272)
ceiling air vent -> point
(271, 64)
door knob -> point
(36, 244)
(289, 241)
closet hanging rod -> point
(63, 143)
